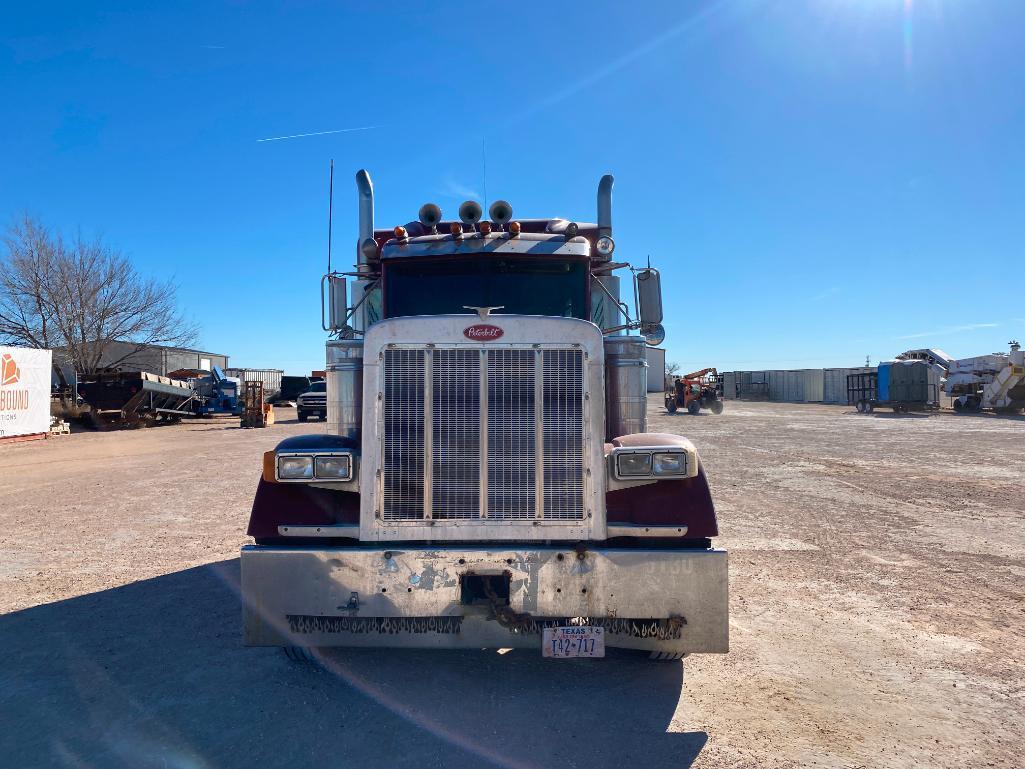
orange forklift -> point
(695, 391)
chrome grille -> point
(455, 472)
(512, 434)
(563, 405)
(494, 433)
(404, 435)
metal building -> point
(154, 359)
(656, 357)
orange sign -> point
(9, 371)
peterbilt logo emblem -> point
(483, 332)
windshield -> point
(317, 387)
(522, 286)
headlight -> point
(295, 468)
(335, 468)
(634, 464)
(674, 463)
(310, 467)
(655, 462)
(605, 245)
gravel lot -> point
(877, 615)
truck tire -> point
(694, 407)
(671, 405)
(716, 407)
(302, 416)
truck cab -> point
(487, 478)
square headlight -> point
(669, 463)
(634, 464)
(295, 468)
(333, 468)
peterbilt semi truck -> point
(486, 479)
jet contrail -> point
(318, 133)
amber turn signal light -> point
(269, 466)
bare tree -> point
(672, 368)
(80, 297)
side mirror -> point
(648, 291)
(654, 335)
(337, 302)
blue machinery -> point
(219, 394)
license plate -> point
(573, 642)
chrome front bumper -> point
(659, 600)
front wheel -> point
(671, 405)
(302, 416)
(716, 407)
(694, 407)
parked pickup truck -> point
(313, 402)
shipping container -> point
(271, 378)
(835, 383)
(753, 384)
(793, 386)
(729, 384)
(814, 385)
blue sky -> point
(819, 180)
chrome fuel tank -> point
(345, 387)
(626, 386)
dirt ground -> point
(877, 615)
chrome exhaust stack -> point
(605, 205)
(605, 244)
(367, 248)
